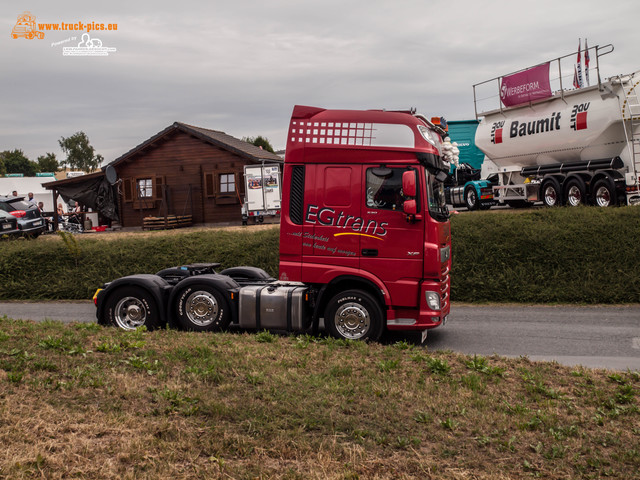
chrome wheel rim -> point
(130, 313)
(201, 308)
(575, 196)
(352, 321)
(603, 197)
(550, 196)
(471, 198)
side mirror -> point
(409, 207)
(409, 183)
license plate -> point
(424, 336)
(6, 226)
(38, 223)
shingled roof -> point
(214, 137)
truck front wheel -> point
(354, 315)
(131, 307)
(471, 198)
(202, 308)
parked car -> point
(8, 225)
(30, 221)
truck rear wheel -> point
(131, 307)
(604, 193)
(575, 193)
(354, 315)
(551, 193)
(201, 307)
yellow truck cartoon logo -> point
(26, 27)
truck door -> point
(333, 206)
(391, 248)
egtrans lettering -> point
(327, 217)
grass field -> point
(82, 401)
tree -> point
(260, 141)
(80, 154)
(15, 161)
(48, 163)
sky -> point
(240, 66)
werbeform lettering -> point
(525, 87)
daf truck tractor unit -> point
(365, 240)
(568, 147)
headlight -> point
(431, 137)
(433, 300)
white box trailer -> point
(262, 192)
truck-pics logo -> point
(330, 218)
(496, 132)
(26, 27)
(579, 116)
(88, 47)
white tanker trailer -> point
(573, 147)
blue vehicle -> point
(465, 188)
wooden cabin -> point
(186, 171)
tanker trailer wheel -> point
(575, 192)
(354, 315)
(551, 193)
(131, 307)
(604, 193)
(202, 308)
(471, 198)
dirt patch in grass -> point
(92, 402)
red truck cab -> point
(364, 220)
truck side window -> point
(384, 188)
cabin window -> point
(227, 183)
(145, 188)
(384, 188)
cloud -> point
(240, 67)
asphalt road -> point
(595, 337)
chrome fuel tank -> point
(277, 305)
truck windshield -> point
(436, 199)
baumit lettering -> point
(547, 124)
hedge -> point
(562, 255)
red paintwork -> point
(338, 225)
